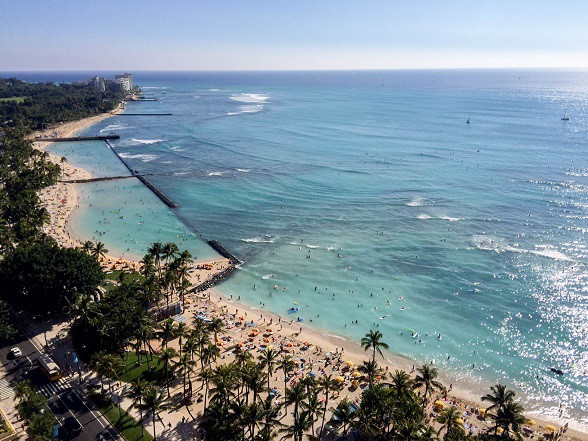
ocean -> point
(365, 200)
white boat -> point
(565, 117)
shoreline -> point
(62, 200)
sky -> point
(291, 34)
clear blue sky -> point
(291, 34)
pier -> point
(141, 178)
(215, 280)
(78, 138)
(106, 178)
(145, 114)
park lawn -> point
(129, 428)
(16, 99)
(132, 371)
(129, 276)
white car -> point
(16, 352)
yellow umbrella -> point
(531, 422)
(349, 363)
(482, 411)
(340, 379)
(459, 421)
(500, 430)
(439, 404)
(356, 375)
(551, 428)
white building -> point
(125, 80)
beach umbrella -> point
(531, 422)
(499, 430)
(312, 374)
(356, 375)
(439, 405)
(459, 421)
(339, 379)
(349, 363)
(551, 428)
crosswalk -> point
(51, 389)
(5, 390)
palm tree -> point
(373, 340)
(209, 354)
(252, 415)
(268, 359)
(450, 420)
(286, 364)
(111, 365)
(168, 251)
(295, 396)
(87, 247)
(216, 326)
(510, 418)
(167, 356)
(99, 250)
(22, 389)
(326, 383)
(371, 369)
(426, 378)
(314, 407)
(342, 416)
(168, 332)
(205, 375)
(297, 429)
(187, 365)
(500, 396)
(401, 383)
(136, 393)
(181, 332)
(153, 402)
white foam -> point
(250, 97)
(144, 158)
(266, 239)
(424, 216)
(217, 173)
(148, 141)
(177, 148)
(248, 109)
(447, 218)
(180, 173)
(417, 202)
(243, 170)
(499, 245)
(116, 126)
(214, 90)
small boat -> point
(565, 117)
(469, 114)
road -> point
(65, 399)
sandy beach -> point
(252, 328)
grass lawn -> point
(129, 428)
(129, 276)
(132, 371)
(17, 99)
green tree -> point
(373, 341)
(426, 378)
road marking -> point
(36, 347)
(98, 418)
(5, 389)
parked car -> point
(16, 352)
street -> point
(65, 399)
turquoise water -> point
(367, 197)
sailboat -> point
(565, 117)
(468, 121)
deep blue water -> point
(369, 188)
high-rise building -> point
(125, 80)
(97, 83)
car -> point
(16, 352)
(72, 426)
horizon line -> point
(580, 69)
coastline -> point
(63, 199)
